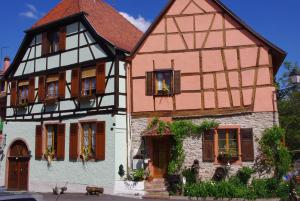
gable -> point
(80, 47)
(201, 24)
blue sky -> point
(278, 21)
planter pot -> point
(129, 188)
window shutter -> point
(177, 82)
(62, 38)
(13, 93)
(75, 83)
(100, 141)
(38, 142)
(31, 90)
(41, 91)
(61, 142)
(61, 85)
(247, 144)
(149, 84)
(73, 149)
(45, 44)
(208, 149)
(100, 78)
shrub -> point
(190, 175)
(298, 190)
(244, 174)
(260, 188)
(136, 175)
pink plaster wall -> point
(188, 101)
(208, 57)
(190, 82)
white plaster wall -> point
(74, 39)
(78, 175)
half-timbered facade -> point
(66, 100)
(200, 61)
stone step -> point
(155, 186)
(156, 195)
(160, 189)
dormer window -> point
(54, 41)
(53, 38)
(23, 92)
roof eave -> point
(56, 22)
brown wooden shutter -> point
(73, 149)
(246, 135)
(208, 149)
(13, 93)
(177, 82)
(60, 142)
(75, 83)
(38, 142)
(61, 85)
(41, 90)
(100, 78)
(62, 38)
(149, 84)
(100, 141)
(45, 44)
(31, 90)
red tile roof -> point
(106, 21)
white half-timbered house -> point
(66, 100)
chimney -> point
(6, 63)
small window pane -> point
(163, 82)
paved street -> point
(83, 197)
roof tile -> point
(106, 21)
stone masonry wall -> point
(193, 145)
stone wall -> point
(193, 145)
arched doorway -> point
(18, 162)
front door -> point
(161, 156)
(18, 162)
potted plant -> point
(85, 155)
(49, 155)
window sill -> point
(52, 53)
(51, 100)
(87, 97)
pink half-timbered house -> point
(200, 61)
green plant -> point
(274, 155)
(190, 175)
(298, 190)
(180, 130)
(138, 175)
(244, 174)
(261, 188)
(121, 171)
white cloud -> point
(140, 22)
(31, 12)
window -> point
(51, 140)
(53, 38)
(52, 87)
(88, 86)
(163, 80)
(23, 92)
(163, 83)
(228, 142)
(88, 140)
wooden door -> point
(18, 162)
(161, 156)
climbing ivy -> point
(180, 130)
